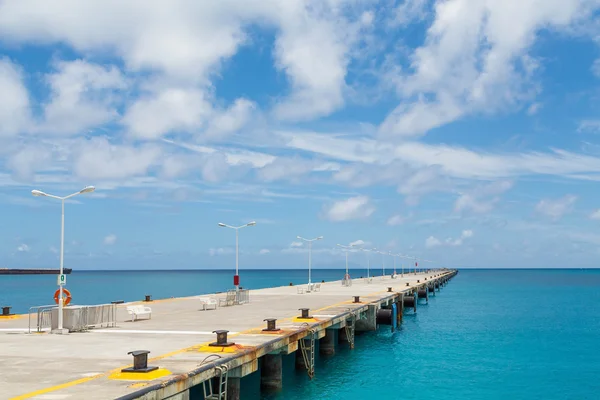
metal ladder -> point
(350, 329)
(308, 352)
(207, 386)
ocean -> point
(489, 334)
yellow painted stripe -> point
(57, 387)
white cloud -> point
(595, 214)
(98, 159)
(14, 99)
(358, 207)
(396, 220)
(232, 119)
(408, 11)
(555, 209)
(432, 241)
(482, 199)
(596, 67)
(111, 239)
(475, 59)
(168, 109)
(219, 251)
(23, 248)
(296, 244)
(313, 51)
(264, 251)
(589, 125)
(81, 97)
(534, 108)
(357, 243)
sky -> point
(463, 132)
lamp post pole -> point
(236, 278)
(368, 260)
(87, 189)
(309, 254)
(345, 248)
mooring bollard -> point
(304, 313)
(271, 325)
(356, 299)
(221, 339)
(148, 297)
(389, 289)
(291, 284)
(407, 283)
(6, 310)
(418, 281)
(140, 362)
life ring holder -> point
(66, 292)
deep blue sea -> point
(489, 334)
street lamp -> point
(394, 257)
(368, 260)
(345, 248)
(39, 193)
(309, 252)
(383, 253)
(236, 278)
(410, 258)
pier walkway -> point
(87, 365)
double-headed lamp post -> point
(345, 248)
(368, 260)
(383, 253)
(309, 253)
(236, 278)
(87, 189)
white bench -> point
(207, 302)
(317, 287)
(229, 299)
(301, 290)
(139, 310)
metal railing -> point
(43, 317)
(242, 296)
(77, 318)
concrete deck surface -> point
(78, 365)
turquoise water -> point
(489, 334)
(513, 334)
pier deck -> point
(83, 365)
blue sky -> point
(463, 132)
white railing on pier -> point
(76, 318)
(43, 317)
(242, 296)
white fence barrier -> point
(75, 318)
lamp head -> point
(320, 237)
(252, 223)
(38, 193)
(222, 224)
(87, 189)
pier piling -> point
(327, 343)
(271, 372)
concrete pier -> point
(88, 365)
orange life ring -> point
(65, 292)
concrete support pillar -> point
(300, 365)
(233, 388)
(369, 323)
(271, 373)
(342, 337)
(327, 343)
